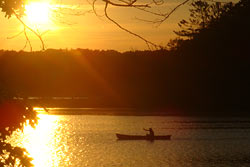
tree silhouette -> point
(202, 14)
(12, 7)
(14, 115)
(175, 44)
(218, 55)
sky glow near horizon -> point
(68, 25)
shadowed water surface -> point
(84, 140)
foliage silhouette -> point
(202, 14)
(10, 7)
(218, 55)
(14, 115)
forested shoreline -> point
(141, 79)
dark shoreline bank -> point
(137, 112)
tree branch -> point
(128, 31)
(127, 4)
(171, 12)
(33, 31)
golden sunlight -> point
(40, 16)
(41, 142)
(38, 13)
(39, 110)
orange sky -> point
(89, 31)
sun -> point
(38, 13)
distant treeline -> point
(143, 79)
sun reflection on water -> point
(44, 142)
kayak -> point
(141, 137)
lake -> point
(90, 141)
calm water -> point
(90, 141)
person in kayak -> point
(151, 132)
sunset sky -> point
(66, 30)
